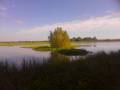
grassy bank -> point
(67, 52)
(24, 43)
(73, 51)
(34, 44)
(97, 72)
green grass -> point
(97, 72)
(24, 43)
(67, 52)
(42, 48)
(35, 44)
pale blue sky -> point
(33, 19)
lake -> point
(15, 54)
(101, 46)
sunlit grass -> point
(31, 44)
(24, 43)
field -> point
(24, 43)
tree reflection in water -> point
(57, 58)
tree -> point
(59, 39)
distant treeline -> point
(84, 39)
(109, 40)
(93, 39)
(72, 39)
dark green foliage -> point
(73, 52)
(84, 39)
(42, 48)
(59, 38)
(97, 72)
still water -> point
(16, 54)
(101, 46)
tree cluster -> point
(59, 38)
(84, 39)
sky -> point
(24, 20)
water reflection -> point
(56, 58)
(16, 55)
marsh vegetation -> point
(96, 72)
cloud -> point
(107, 26)
(3, 10)
(77, 27)
(19, 22)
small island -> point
(60, 42)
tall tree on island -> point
(59, 39)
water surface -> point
(101, 46)
(16, 54)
